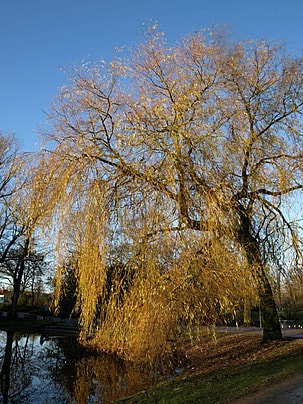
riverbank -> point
(29, 323)
(220, 371)
(234, 366)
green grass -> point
(223, 385)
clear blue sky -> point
(39, 36)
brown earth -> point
(235, 349)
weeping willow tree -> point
(174, 164)
(140, 278)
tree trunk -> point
(18, 278)
(269, 315)
(17, 286)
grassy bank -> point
(233, 367)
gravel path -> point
(288, 391)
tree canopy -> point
(174, 164)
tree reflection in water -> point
(5, 370)
(26, 369)
(106, 378)
(37, 368)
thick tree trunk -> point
(269, 315)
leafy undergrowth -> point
(220, 371)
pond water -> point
(36, 368)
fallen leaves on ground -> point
(234, 349)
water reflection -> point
(27, 369)
(37, 368)
(5, 370)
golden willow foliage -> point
(159, 304)
(165, 181)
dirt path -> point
(288, 391)
(286, 332)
